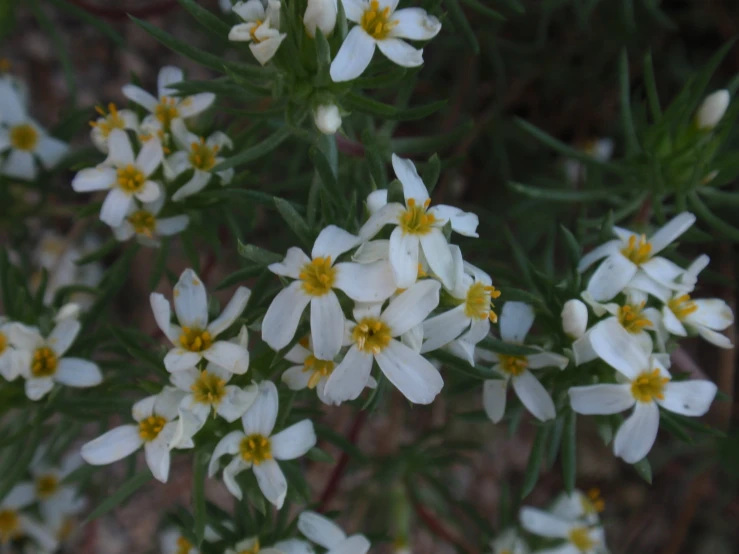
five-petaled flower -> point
(261, 28)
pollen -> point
(377, 22)
(44, 362)
(638, 250)
(10, 525)
(371, 335)
(648, 386)
(3, 342)
(255, 549)
(632, 319)
(195, 340)
(479, 302)
(209, 389)
(253, 32)
(108, 121)
(513, 365)
(682, 306)
(130, 179)
(202, 156)
(593, 503)
(150, 427)
(46, 486)
(580, 538)
(318, 276)
(256, 449)
(183, 546)
(143, 222)
(166, 111)
(24, 137)
(318, 368)
(414, 220)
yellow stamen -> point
(593, 503)
(513, 365)
(150, 427)
(414, 220)
(319, 369)
(648, 386)
(209, 389)
(632, 319)
(256, 449)
(479, 302)
(143, 222)
(255, 549)
(24, 137)
(183, 546)
(44, 362)
(202, 156)
(46, 485)
(371, 335)
(3, 343)
(682, 306)
(130, 179)
(638, 252)
(166, 111)
(195, 340)
(318, 276)
(253, 32)
(580, 538)
(377, 22)
(10, 525)
(108, 121)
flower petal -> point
(333, 241)
(547, 359)
(234, 467)
(494, 398)
(162, 315)
(444, 328)
(112, 446)
(75, 372)
(228, 445)
(20, 164)
(516, 319)
(120, 152)
(715, 338)
(539, 522)
(170, 226)
(233, 310)
(260, 418)
(439, 256)
(599, 252)
(413, 186)
(179, 359)
(356, 544)
(404, 257)
(320, 530)
(253, 10)
(353, 57)
(614, 345)
(292, 265)
(413, 375)
(464, 223)
(327, 325)
(637, 434)
(93, 178)
(534, 396)
(271, 482)
(668, 274)
(690, 398)
(51, 150)
(411, 307)
(354, 10)
(115, 207)
(157, 457)
(63, 335)
(20, 496)
(601, 399)
(672, 323)
(283, 315)
(294, 546)
(669, 232)
(37, 388)
(168, 75)
(191, 301)
(294, 441)
(415, 24)
(713, 313)
(197, 183)
(611, 277)
(295, 378)
(388, 214)
(139, 96)
(401, 52)
(196, 104)
(366, 282)
(265, 50)
(232, 357)
(348, 379)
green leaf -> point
(323, 59)
(567, 195)
(323, 167)
(574, 250)
(728, 231)
(419, 112)
(318, 455)
(519, 255)
(460, 22)
(206, 18)
(627, 119)
(644, 469)
(430, 173)
(364, 104)
(257, 151)
(93, 21)
(506, 348)
(383, 80)
(569, 452)
(120, 495)
(650, 84)
(257, 254)
(200, 464)
(531, 475)
(293, 219)
(432, 143)
(481, 8)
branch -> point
(436, 527)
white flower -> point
(194, 338)
(312, 373)
(320, 14)
(208, 391)
(11, 363)
(648, 387)
(600, 149)
(261, 28)
(712, 109)
(258, 449)
(42, 361)
(167, 107)
(198, 154)
(327, 118)
(16, 524)
(516, 319)
(470, 320)
(574, 318)
(417, 225)
(372, 338)
(225, 5)
(632, 255)
(113, 119)
(579, 506)
(157, 430)
(380, 24)
(171, 540)
(315, 280)
(509, 542)
(704, 316)
(327, 534)
(24, 138)
(142, 221)
(125, 176)
(579, 536)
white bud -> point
(320, 14)
(327, 118)
(68, 311)
(712, 109)
(574, 318)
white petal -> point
(265, 50)
(348, 379)
(534, 396)
(271, 482)
(233, 310)
(479, 329)
(12, 107)
(365, 282)
(292, 265)
(599, 252)
(671, 231)
(413, 186)
(283, 315)
(252, 10)
(195, 104)
(547, 359)
(411, 373)
(294, 441)
(636, 436)
(404, 257)
(672, 323)
(401, 52)
(354, 10)
(464, 223)
(260, 418)
(114, 445)
(611, 277)
(20, 496)
(197, 183)
(185, 379)
(162, 315)
(326, 325)
(40, 534)
(115, 207)
(191, 301)
(439, 256)
(24, 337)
(295, 378)
(150, 157)
(93, 178)
(168, 75)
(389, 214)
(415, 24)
(643, 282)
(333, 242)
(167, 402)
(540, 523)
(320, 529)
(20, 164)
(236, 402)
(63, 335)
(601, 399)
(713, 313)
(75, 372)
(668, 274)
(353, 57)
(241, 32)
(411, 307)
(170, 226)
(494, 398)
(157, 458)
(376, 199)
(617, 348)
(516, 319)
(444, 328)
(228, 445)
(120, 152)
(356, 544)
(234, 467)
(51, 150)
(690, 398)
(717, 339)
(36, 389)
(178, 359)
(140, 97)
(294, 546)
(143, 408)
(297, 354)
(232, 357)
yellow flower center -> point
(580, 538)
(10, 525)
(414, 220)
(195, 340)
(143, 222)
(44, 362)
(506, 551)
(108, 121)
(513, 365)
(23, 137)
(46, 485)
(638, 251)
(377, 22)
(150, 427)
(682, 306)
(66, 529)
(318, 276)
(593, 503)
(371, 335)
(130, 179)
(202, 156)
(320, 369)
(256, 449)
(632, 319)
(255, 549)
(3, 343)
(209, 388)
(648, 386)
(166, 111)
(183, 546)
(253, 32)
(479, 302)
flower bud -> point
(574, 318)
(320, 14)
(327, 118)
(712, 109)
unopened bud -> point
(320, 14)
(712, 109)
(574, 318)
(327, 118)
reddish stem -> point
(349, 147)
(436, 527)
(122, 13)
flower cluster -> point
(153, 163)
